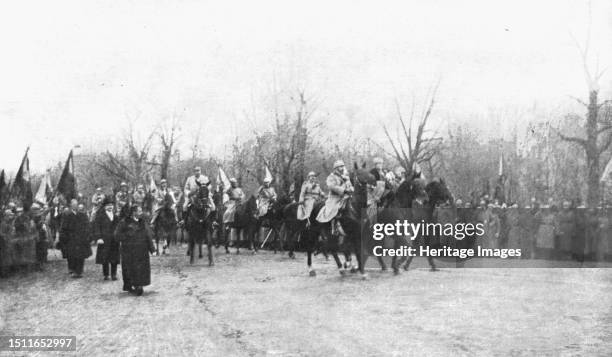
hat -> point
(338, 163)
(378, 160)
(163, 181)
(233, 179)
(107, 201)
(312, 173)
(35, 206)
(267, 180)
(204, 180)
(123, 184)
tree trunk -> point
(592, 151)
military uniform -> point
(138, 198)
(122, 199)
(192, 185)
(337, 198)
(265, 196)
(160, 198)
(236, 195)
(311, 191)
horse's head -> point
(360, 179)
(438, 192)
(168, 201)
(200, 197)
(410, 190)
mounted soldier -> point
(192, 185)
(265, 196)
(138, 198)
(340, 189)
(311, 192)
(236, 195)
(122, 200)
(96, 202)
(160, 196)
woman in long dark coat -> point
(136, 244)
(103, 232)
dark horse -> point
(165, 224)
(415, 202)
(245, 223)
(316, 236)
(273, 220)
(199, 224)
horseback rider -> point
(340, 189)
(236, 195)
(192, 185)
(160, 196)
(265, 196)
(378, 171)
(122, 198)
(96, 201)
(138, 197)
(310, 192)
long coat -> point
(74, 236)
(336, 199)
(103, 228)
(265, 196)
(136, 243)
(236, 195)
(308, 195)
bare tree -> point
(133, 164)
(169, 136)
(412, 145)
(597, 127)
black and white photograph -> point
(320, 178)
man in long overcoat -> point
(74, 238)
(103, 231)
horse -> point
(199, 223)
(317, 236)
(219, 234)
(415, 203)
(273, 220)
(165, 224)
(245, 223)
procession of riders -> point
(124, 225)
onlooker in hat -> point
(103, 232)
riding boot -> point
(333, 227)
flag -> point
(222, 178)
(607, 171)
(67, 182)
(416, 168)
(22, 189)
(3, 187)
(268, 174)
(44, 190)
(152, 185)
(500, 171)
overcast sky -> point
(74, 70)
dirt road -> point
(268, 305)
